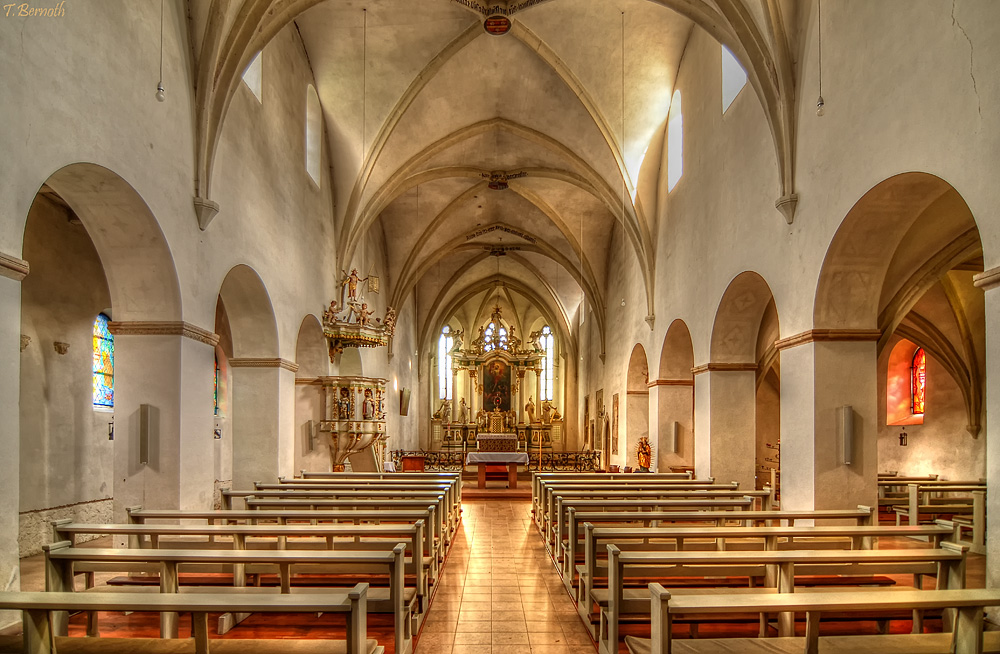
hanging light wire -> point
(624, 190)
(819, 24)
(160, 94)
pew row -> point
(572, 547)
(61, 561)
(778, 567)
(41, 611)
(967, 638)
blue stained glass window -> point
(104, 363)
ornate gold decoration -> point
(25, 340)
(349, 323)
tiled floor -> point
(499, 593)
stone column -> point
(263, 418)
(169, 367)
(12, 271)
(725, 398)
(820, 374)
(474, 400)
(520, 395)
(654, 427)
(989, 281)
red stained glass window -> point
(918, 381)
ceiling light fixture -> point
(819, 23)
(160, 94)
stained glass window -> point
(918, 381)
(445, 343)
(104, 364)
(548, 347)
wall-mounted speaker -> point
(404, 401)
(308, 445)
(145, 430)
(675, 437)
(847, 432)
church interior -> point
(740, 242)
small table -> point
(511, 459)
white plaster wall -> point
(10, 441)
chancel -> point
(281, 280)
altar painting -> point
(496, 385)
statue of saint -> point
(445, 411)
(549, 412)
(463, 413)
(644, 454)
(330, 315)
(368, 406)
(389, 323)
(529, 409)
(481, 417)
(344, 404)
(351, 281)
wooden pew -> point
(551, 490)
(688, 538)
(575, 520)
(61, 560)
(42, 613)
(542, 488)
(948, 562)
(376, 477)
(920, 500)
(447, 522)
(666, 500)
(387, 535)
(451, 486)
(538, 477)
(433, 544)
(968, 637)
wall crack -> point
(972, 71)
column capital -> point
(828, 336)
(164, 328)
(987, 280)
(258, 362)
(724, 367)
(12, 267)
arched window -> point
(253, 76)
(445, 343)
(734, 78)
(675, 142)
(548, 367)
(104, 364)
(314, 130)
(918, 382)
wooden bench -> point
(443, 529)
(43, 635)
(781, 566)
(551, 490)
(383, 536)
(968, 637)
(452, 487)
(726, 500)
(356, 516)
(972, 509)
(439, 493)
(575, 520)
(545, 488)
(538, 477)
(61, 561)
(688, 538)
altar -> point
(485, 459)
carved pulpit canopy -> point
(349, 323)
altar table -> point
(483, 459)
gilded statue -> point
(644, 454)
(529, 409)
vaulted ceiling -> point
(421, 105)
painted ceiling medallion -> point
(498, 179)
(497, 25)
